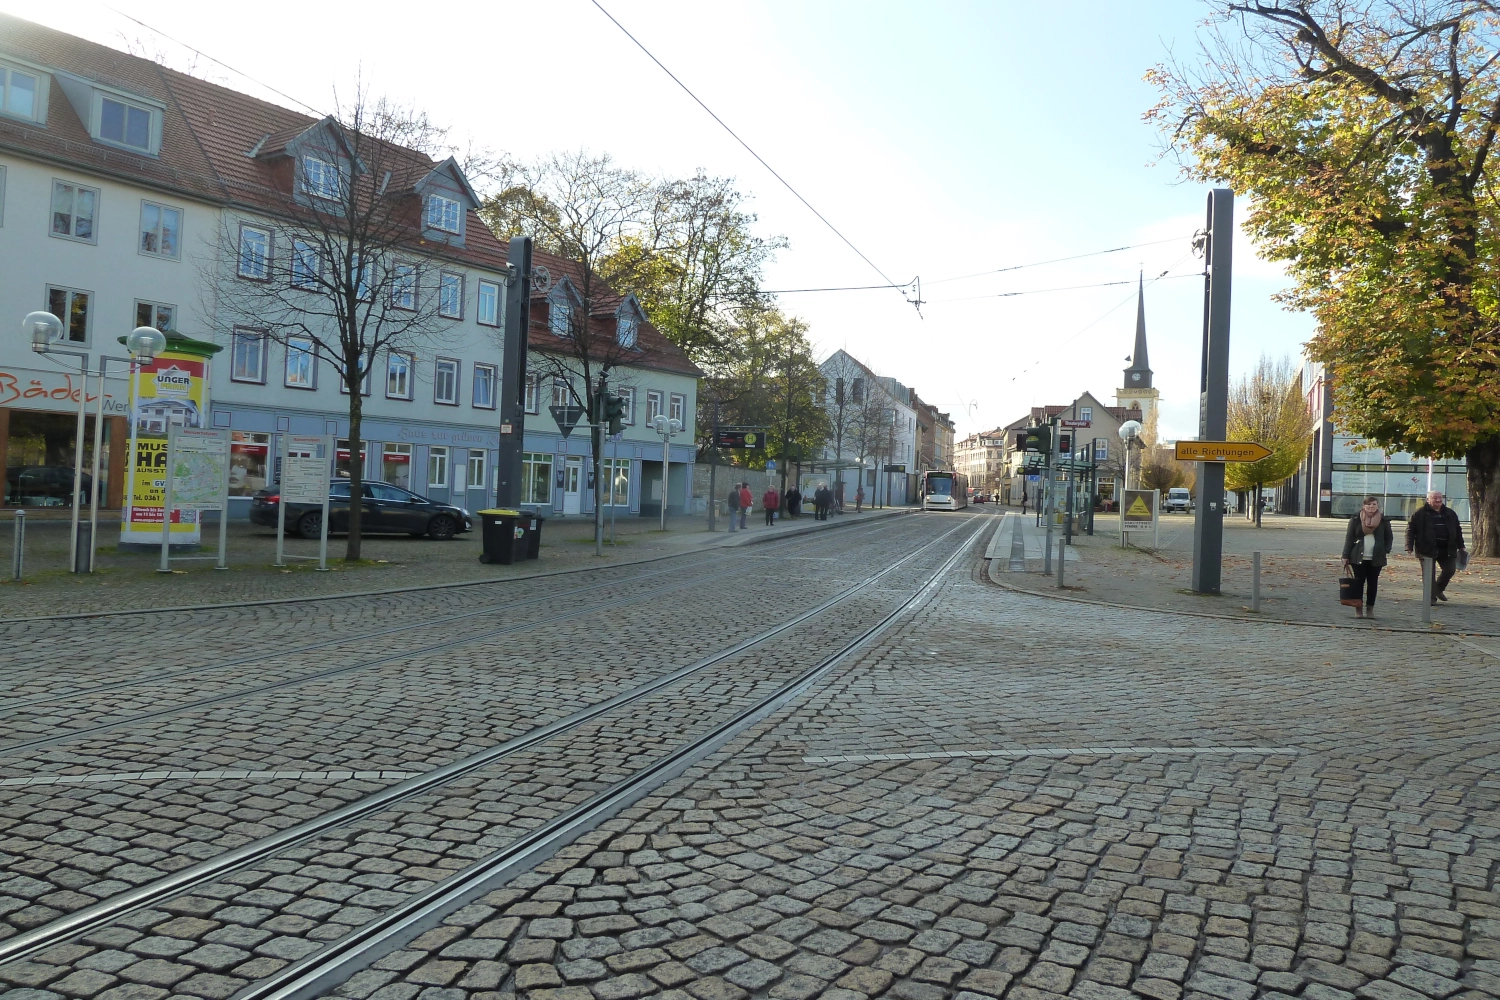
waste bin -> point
(534, 534)
(503, 536)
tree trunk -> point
(1484, 497)
(356, 472)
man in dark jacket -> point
(1434, 533)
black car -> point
(386, 510)
(44, 486)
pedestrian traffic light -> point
(1038, 439)
(614, 412)
(1065, 444)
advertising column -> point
(171, 390)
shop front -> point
(39, 433)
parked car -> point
(1179, 498)
(44, 486)
(385, 510)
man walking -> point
(732, 504)
(1434, 533)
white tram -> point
(945, 491)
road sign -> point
(740, 437)
(1138, 510)
(1221, 451)
(1077, 423)
(895, 468)
(567, 418)
(771, 465)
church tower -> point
(1137, 390)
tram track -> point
(70, 735)
(81, 921)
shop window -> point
(445, 382)
(476, 467)
(249, 456)
(301, 367)
(38, 454)
(157, 314)
(617, 482)
(341, 457)
(71, 305)
(395, 465)
(536, 478)
(485, 377)
(437, 468)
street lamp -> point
(1130, 431)
(668, 429)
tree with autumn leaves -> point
(1364, 134)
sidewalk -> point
(123, 581)
(1300, 568)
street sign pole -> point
(508, 464)
(1049, 491)
(1208, 520)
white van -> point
(1179, 498)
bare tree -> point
(1267, 407)
(327, 260)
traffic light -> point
(614, 412)
(1038, 439)
(1065, 444)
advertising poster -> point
(171, 390)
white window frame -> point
(627, 395)
(532, 402)
(93, 218)
(365, 386)
(400, 365)
(127, 106)
(404, 287)
(156, 311)
(530, 460)
(307, 266)
(611, 467)
(38, 92)
(627, 328)
(492, 379)
(677, 408)
(450, 301)
(480, 458)
(1086, 413)
(244, 336)
(161, 215)
(559, 316)
(437, 467)
(316, 182)
(1101, 449)
(67, 314)
(449, 370)
(264, 272)
(656, 404)
(488, 290)
(296, 349)
(444, 206)
(562, 391)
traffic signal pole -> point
(1208, 520)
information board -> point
(200, 468)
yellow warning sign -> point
(1139, 509)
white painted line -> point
(1046, 752)
(79, 779)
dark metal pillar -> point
(513, 374)
(1208, 520)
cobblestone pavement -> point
(1327, 826)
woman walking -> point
(1367, 542)
(771, 501)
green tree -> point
(1267, 407)
(1364, 134)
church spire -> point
(1138, 375)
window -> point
(249, 452)
(654, 403)
(533, 392)
(307, 265)
(484, 387)
(617, 482)
(437, 468)
(19, 93)
(857, 391)
(536, 478)
(395, 465)
(155, 314)
(124, 124)
(489, 303)
(247, 360)
(341, 459)
(1101, 450)
(476, 468)
(451, 295)
(321, 179)
(300, 369)
(364, 366)
(72, 307)
(562, 392)
(628, 397)
(442, 213)
(1086, 413)
(161, 228)
(73, 210)
(398, 367)
(560, 315)
(677, 409)
(255, 253)
(404, 287)
(445, 382)
(625, 329)
(361, 274)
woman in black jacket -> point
(1367, 542)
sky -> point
(942, 140)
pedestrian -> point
(794, 502)
(745, 505)
(859, 499)
(1023, 503)
(1367, 542)
(1434, 533)
(732, 504)
(771, 501)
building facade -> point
(874, 426)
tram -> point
(945, 491)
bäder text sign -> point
(1221, 451)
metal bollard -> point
(1255, 582)
(18, 553)
(1426, 589)
(1047, 555)
(1062, 557)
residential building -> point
(980, 457)
(874, 426)
(1094, 435)
(934, 436)
(119, 179)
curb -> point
(443, 586)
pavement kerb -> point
(1231, 618)
(726, 543)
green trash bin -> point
(503, 536)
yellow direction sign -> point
(1221, 451)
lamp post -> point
(1130, 431)
(668, 429)
(43, 328)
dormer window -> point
(442, 213)
(625, 328)
(560, 317)
(19, 93)
(321, 178)
(125, 124)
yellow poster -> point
(172, 389)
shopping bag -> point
(1463, 560)
(1349, 591)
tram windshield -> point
(939, 486)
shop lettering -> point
(18, 388)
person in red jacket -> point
(745, 502)
(771, 500)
